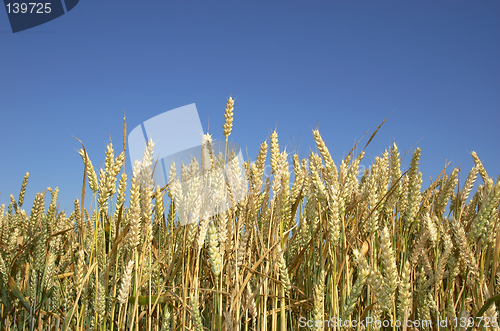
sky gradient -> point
(340, 66)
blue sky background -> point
(342, 66)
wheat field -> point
(328, 250)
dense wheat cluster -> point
(287, 254)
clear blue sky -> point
(342, 66)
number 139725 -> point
(31, 7)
